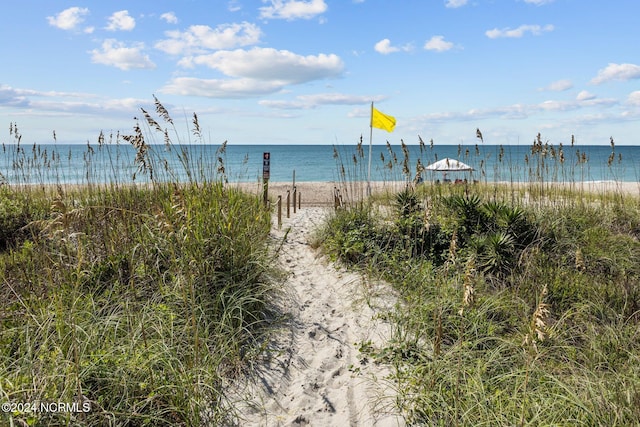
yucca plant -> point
(407, 203)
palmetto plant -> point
(467, 213)
(407, 203)
(494, 232)
(495, 252)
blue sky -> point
(305, 72)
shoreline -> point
(317, 193)
(321, 193)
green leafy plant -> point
(142, 301)
(519, 307)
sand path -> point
(316, 375)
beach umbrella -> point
(449, 165)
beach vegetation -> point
(139, 303)
(519, 302)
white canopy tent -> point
(449, 165)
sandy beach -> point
(315, 375)
(318, 193)
(322, 193)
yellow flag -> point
(382, 121)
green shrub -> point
(16, 213)
(510, 314)
(145, 301)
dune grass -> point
(520, 303)
(141, 303)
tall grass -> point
(520, 302)
(140, 302)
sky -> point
(307, 71)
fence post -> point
(295, 193)
(279, 212)
(299, 200)
(265, 190)
(288, 202)
(337, 198)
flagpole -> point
(370, 143)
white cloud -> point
(456, 3)
(68, 19)
(536, 30)
(199, 38)
(338, 99)
(438, 44)
(517, 111)
(217, 88)
(254, 72)
(50, 103)
(313, 101)
(553, 105)
(123, 106)
(621, 72)
(585, 96)
(558, 86)
(117, 54)
(121, 21)
(587, 101)
(384, 47)
(169, 18)
(634, 98)
(234, 6)
(293, 9)
(12, 97)
(538, 2)
(13, 92)
(271, 64)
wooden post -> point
(288, 193)
(266, 174)
(265, 190)
(279, 212)
(295, 193)
(299, 200)
(337, 198)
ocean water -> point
(80, 164)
